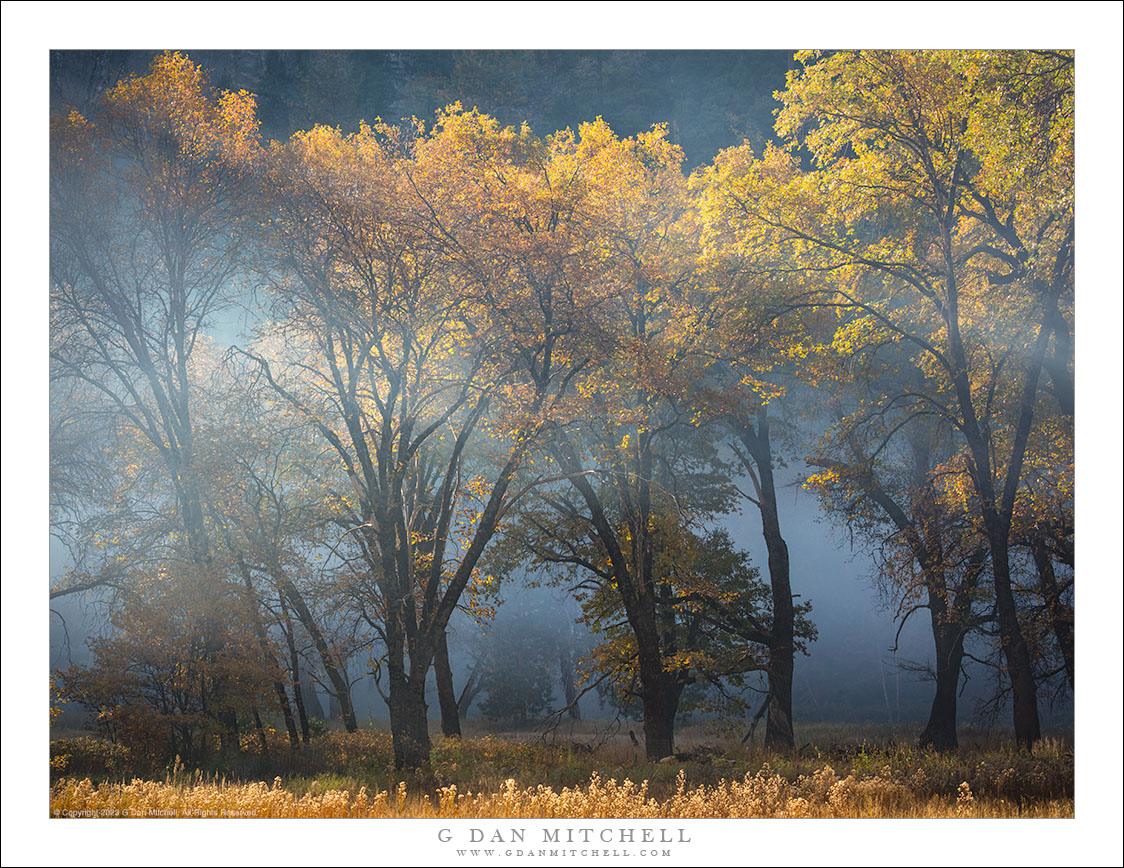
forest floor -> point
(584, 770)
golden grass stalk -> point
(765, 794)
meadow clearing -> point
(837, 773)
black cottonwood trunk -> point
(1060, 618)
(446, 696)
(940, 731)
(569, 684)
(472, 687)
(263, 642)
(410, 728)
(261, 734)
(659, 698)
(1020, 669)
(298, 685)
(337, 675)
(998, 501)
(287, 714)
(659, 690)
(782, 647)
(409, 718)
(409, 723)
(312, 705)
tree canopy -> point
(480, 352)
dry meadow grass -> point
(766, 794)
(352, 775)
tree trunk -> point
(409, 726)
(659, 692)
(287, 714)
(295, 672)
(998, 508)
(1060, 620)
(302, 712)
(1019, 666)
(940, 732)
(337, 675)
(261, 734)
(659, 725)
(446, 697)
(229, 734)
(312, 705)
(782, 648)
(263, 644)
(472, 687)
(778, 723)
(659, 698)
(569, 688)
